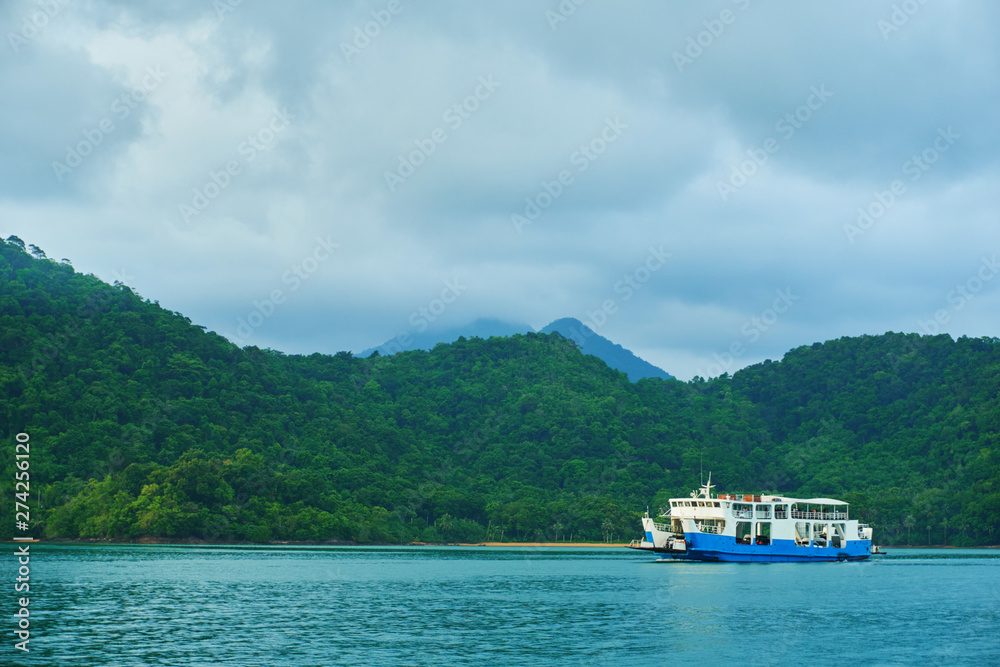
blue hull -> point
(725, 549)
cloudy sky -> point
(708, 184)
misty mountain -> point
(612, 354)
(426, 340)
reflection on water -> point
(135, 605)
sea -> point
(309, 605)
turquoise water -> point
(157, 605)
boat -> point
(755, 528)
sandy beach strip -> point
(541, 544)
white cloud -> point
(352, 119)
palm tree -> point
(909, 522)
(445, 523)
(557, 527)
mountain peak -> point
(586, 338)
(484, 327)
(612, 354)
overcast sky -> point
(708, 184)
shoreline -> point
(538, 544)
(934, 546)
(157, 541)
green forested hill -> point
(143, 424)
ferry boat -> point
(755, 528)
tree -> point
(557, 528)
(513, 432)
(37, 252)
(15, 241)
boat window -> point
(781, 511)
(673, 503)
(743, 532)
(839, 535)
(714, 526)
(687, 503)
(820, 536)
(763, 511)
(763, 533)
(743, 510)
(802, 533)
(701, 503)
(716, 503)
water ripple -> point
(146, 605)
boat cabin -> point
(758, 519)
(758, 528)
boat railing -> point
(662, 527)
(827, 516)
(708, 529)
(743, 514)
